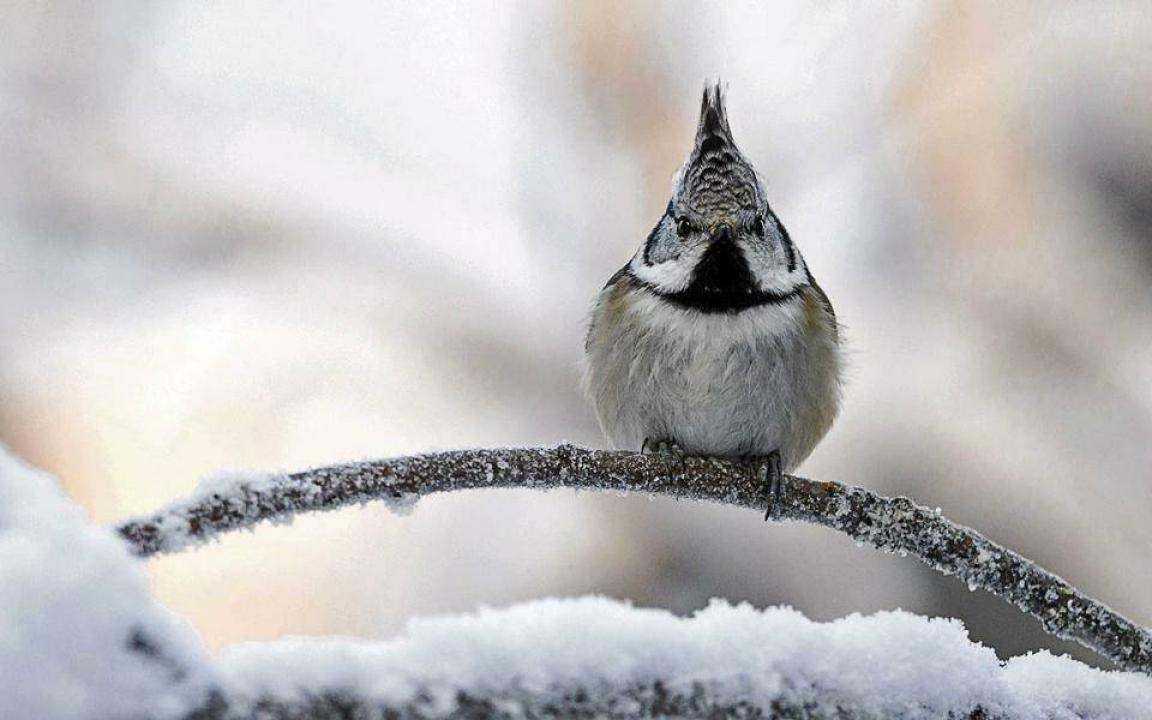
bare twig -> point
(890, 524)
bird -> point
(715, 339)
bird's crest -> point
(717, 179)
(712, 132)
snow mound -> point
(79, 635)
(891, 664)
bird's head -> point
(719, 247)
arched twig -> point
(890, 524)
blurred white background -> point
(274, 235)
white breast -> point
(717, 384)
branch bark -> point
(651, 700)
(889, 524)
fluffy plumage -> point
(715, 336)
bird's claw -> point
(661, 447)
(668, 448)
(772, 477)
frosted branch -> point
(890, 524)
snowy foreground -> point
(80, 637)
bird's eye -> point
(757, 226)
(683, 227)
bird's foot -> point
(665, 447)
(772, 477)
(661, 447)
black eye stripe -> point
(654, 236)
(789, 250)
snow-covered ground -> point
(80, 637)
(890, 664)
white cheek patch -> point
(766, 263)
(669, 276)
(771, 273)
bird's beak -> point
(720, 233)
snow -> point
(891, 664)
(79, 635)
